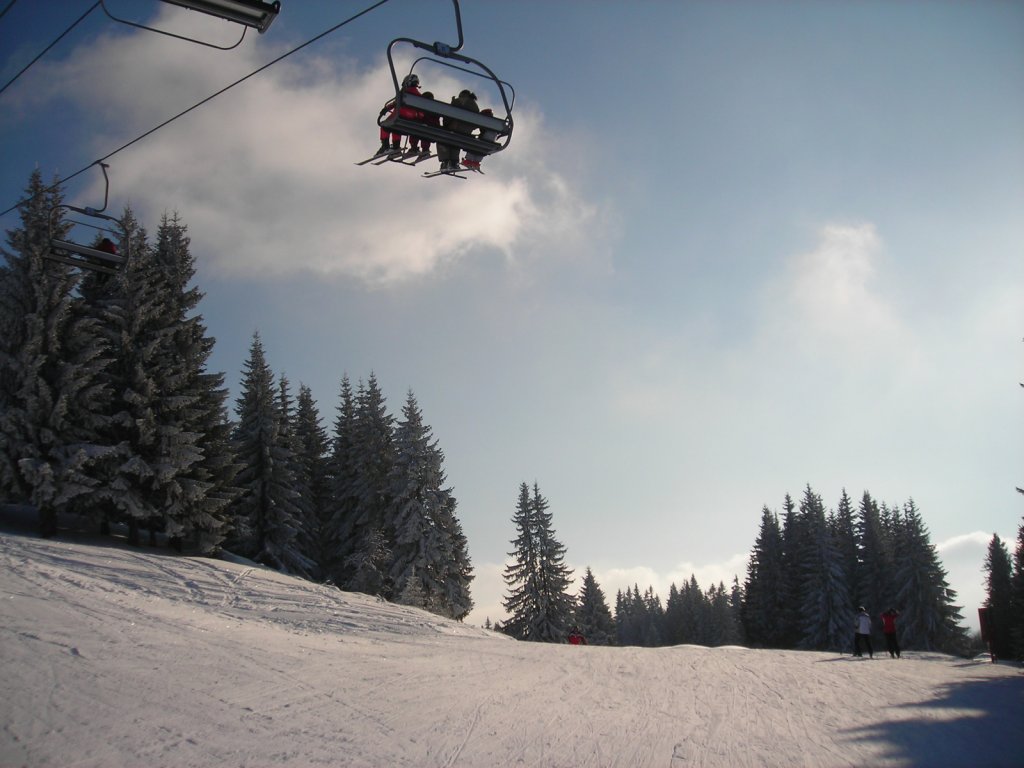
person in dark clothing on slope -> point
(889, 628)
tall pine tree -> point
(929, 619)
(593, 616)
(313, 477)
(266, 511)
(538, 579)
(763, 614)
(429, 564)
(1017, 596)
(999, 598)
(365, 531)
(827, 613)
(52, 363)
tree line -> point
(809, 571)
(108, 411)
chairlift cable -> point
(9, 6)
(209, 98)
(45, 50)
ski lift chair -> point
(445, 55)
(86, 257)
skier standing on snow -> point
(862, 633)
(576, 637)
(889, 628)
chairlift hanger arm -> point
(502, 83)
(89, 210)
(450, 54)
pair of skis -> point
(397, 156)
(414, 158)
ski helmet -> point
(411, 81)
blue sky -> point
(733, 249)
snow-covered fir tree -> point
(198, 467)
(364, 532)
(141, 340)
(538, 580)
(843, 525)
(896, 566)
(52, 363)
(724, 627)
(1017, 595)
(686, 614)
(313, 475)
(428, 548)
(339, 511)
(521, 574)
(999, 598)
(304, 512)
(762, 610)
(1017, 592)
(795, 544)
(458, 571)
(929, 619)
(266, 512)
(736, 598)
(826, 608)
(593, 616)
(874, 584)
(640, 619)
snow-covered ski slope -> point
(113, 656)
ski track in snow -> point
(115, 656)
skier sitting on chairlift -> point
(449, 155)
(472, 159)
(428, 118)
(411, 84)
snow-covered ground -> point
(113, 656)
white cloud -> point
(264, 174)
(707, 575)
(830, 299)
(970, 543)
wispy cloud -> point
(830, 299)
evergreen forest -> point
(809, 572)
(109, 413)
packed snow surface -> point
(114, 656)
